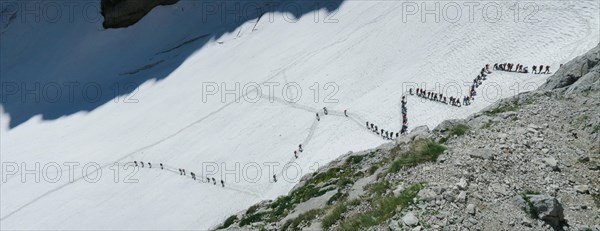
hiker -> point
(161, 166)
(223, 183)
(193, 175)
(183, 171)
(208, 180)
(547, 70)
(214, 181)
(410, 91)
(141, 162)
(300, 146)
(541, 69)
(274, 178)
(296, 154)
(149, 165)
(534, 68)
(367, 124)
(135, 162)
(346, 113)
(318, 119)
(180, 172)
(325, 110)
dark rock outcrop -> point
(580, 74)
(124, 13)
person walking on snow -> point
(135, 162)
(142, 162)
(214, 181)
(149, 165)
(318, 119)
(325, 110)
(346, 113)
(296, 154)
(300, 147)
(161, 166)
(223, 183)
(275, 178)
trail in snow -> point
(368, 52)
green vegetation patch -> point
(382, 209)
(228, 222)
(421, 151)
(302, 220)
(530, 207)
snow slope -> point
(369, 53)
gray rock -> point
(500, 189)
(426, 195)
(394, 226)
(583, 189)
(485, 154)
(398, 190)
(584, 159)
(462, 184)
(471, 209)
(551, 163)
(526, 222)
(548, 209)
(410, 219)
(573, 71)
(449, 196)
(462, 197)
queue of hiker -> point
(519, 68)
(181, 172)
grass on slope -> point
(342, 175)
(510, 107)
(421, 151)
(382, 209)
(302, 220)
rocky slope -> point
(530, 162)
(124, 13)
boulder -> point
(462, 197)
(471, 209)
(551, 163)
(484, 154)
(426, 195)
(583, 189)
(410, 219)
(462, 184)
(548, 209)
(394, 226)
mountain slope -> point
(370, 54)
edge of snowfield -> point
(369, 53)
(528, 162)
